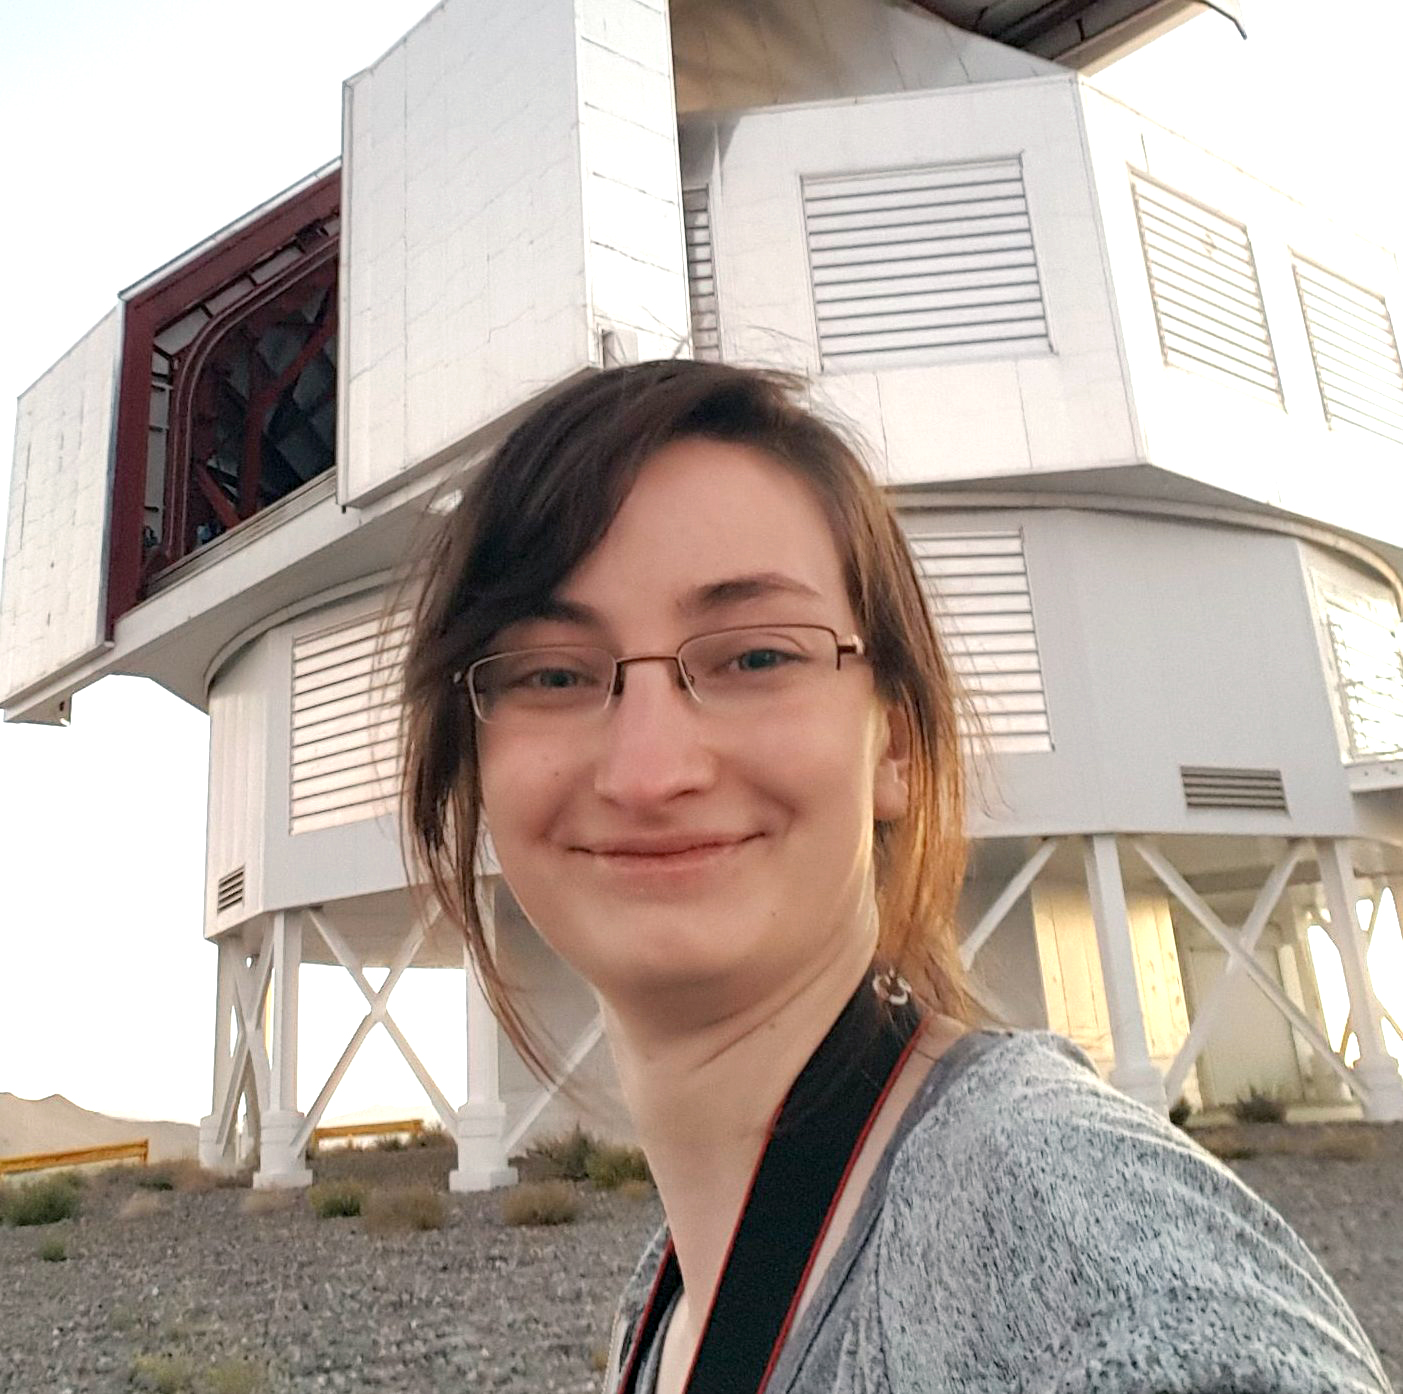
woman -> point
(671, 651)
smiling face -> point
(667, 846)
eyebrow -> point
(701, 601)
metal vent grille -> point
(1218, 786)
(1207, 299)
(701, 274)
(229, 891)
(1355, 351)
(1368, 663)
(924, 263)
(977, 584)
(345, 710)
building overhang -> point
(1083, 34)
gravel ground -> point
(477, 1305)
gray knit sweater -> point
(1031, 1229)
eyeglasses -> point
(729, 669)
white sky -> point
(133, 130)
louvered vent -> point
(701, 274)
(1218, 786)
(345, 708)
(977, 584)
(1355, 351)
(1207, 299)
(229, 891)
(1368, 663)
(924, 264)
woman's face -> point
(665, 846)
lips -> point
(663, 847)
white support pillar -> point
(216, 1153)
(1376, 1069)
(481, 1126)
(282, 1163)
(1134, 1073)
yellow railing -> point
(412, 1126)
(78, 1156)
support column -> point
(1134, 1073)
(282, 1165)
(481, 1128)
(216, 1154)
(1376, 1069)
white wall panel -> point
(54, 584)
(511, 191)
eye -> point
(762, 660)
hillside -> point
(57, 1124)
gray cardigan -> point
(1029, 1228)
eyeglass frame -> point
(850, 647)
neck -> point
(702, 1101)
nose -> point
(653, 747)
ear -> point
(891, 782)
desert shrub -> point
(235, 1377)
(541, 1203)
(41, 1202)
(391, 1142)
(564, 1157)
(154, 1179)
(1229, 1147)
(598, 1359)
(165, 1373)
(405, 1208)
(636, 1190)
(1353, 1146)
(140, 1205)
(609, 1165)
(333, 1200)
(52, 1251)
(1180, 1112)
(1257, 1106)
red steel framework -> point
(297, 225)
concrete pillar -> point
(1134, 1073)
(281, 1164)
(481, 1122)
(1376, 1069)
(213, 1155)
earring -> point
(892, 988)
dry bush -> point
(332, 1200)
(1259, 1106)
(1342, 1145)
(41, 1202)
(166, 1373)
(435, 1135)
(52, 1251)
(235, 1377)
(269, 1202)
(409, 1208)
(140, 1205)
(564, 1157)
(541, 1203)
(610, 1165)
(636, 1190)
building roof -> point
(1084, 34)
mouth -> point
(679, 851)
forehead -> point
(704, 511)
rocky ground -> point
(193, 1294)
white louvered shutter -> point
(1207, 298)
(701, 274)
(923, 265)
(977, 584)
(345, 714)
(1355, 351)
(1368, 669)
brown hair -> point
(540, 505)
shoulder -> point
(1041, 1230)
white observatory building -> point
(1142, 415)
